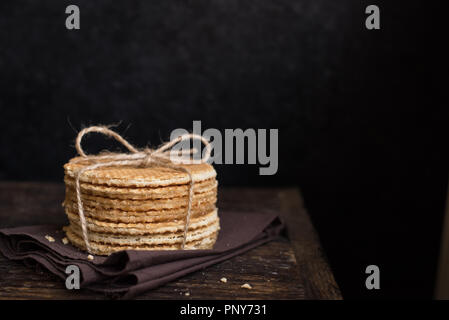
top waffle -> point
(138, 177)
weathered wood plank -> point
(269, 269)
(311, 261)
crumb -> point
(65, 240)
(246, 286)
(224, 280)
(187, 294)
(90, 257)
(49, 238)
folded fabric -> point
(128, 273)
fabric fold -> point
(129, 273)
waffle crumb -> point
(65, 240)
(246, 286)
(90, 257)
(50, 238)
(224, 280)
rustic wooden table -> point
(295, 269)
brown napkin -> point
(129, 273)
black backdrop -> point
(362, 114)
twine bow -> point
(163, 157)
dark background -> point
(362, 114)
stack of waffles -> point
(135, 208)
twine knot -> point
(164, 156)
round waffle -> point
(119, 216)
(150, 239)
(142, 193)
(139, 205)
(101, 248)
(128, 176)
(115, 215)
(171, 226)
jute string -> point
(164, 156)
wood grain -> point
(442, 281)
(311, 261)
(295, 269)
